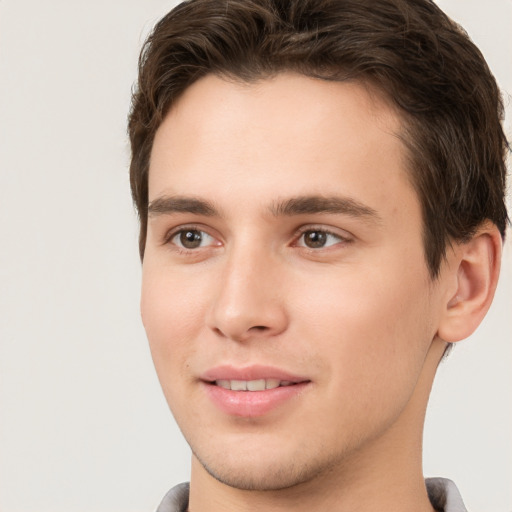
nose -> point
(249, 302)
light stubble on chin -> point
(275, 477)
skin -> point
(359, 316)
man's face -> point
(284, 248)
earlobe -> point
(476, 268)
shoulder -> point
(176, 500)
(444, 495)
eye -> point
(318, 239)
(192, 239)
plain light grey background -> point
(83, 424)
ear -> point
(474, 270)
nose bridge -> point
(246, 303)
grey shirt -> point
(443, 494)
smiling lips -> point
(252, 391)
(252, 385)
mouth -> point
(252, 391)
(252, 385)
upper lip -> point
(253, 372)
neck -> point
(385, 475)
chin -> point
(266, 473)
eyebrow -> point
(181, 204)
(300, 205)
(320, 204)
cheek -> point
(374, 331)
(171, 309)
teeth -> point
(252, 385)
(239, 385)
(226, 384)
(272, 383)
(255, 385)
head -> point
(320, 185)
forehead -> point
(289, 133)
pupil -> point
(315, 239)
(190, 239)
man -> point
(320, 185)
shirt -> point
(443, 495)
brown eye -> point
(315, 239)
(319, 239)
(192, 239)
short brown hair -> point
(424, 62)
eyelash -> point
(183, 229)
(299, 235)
(317, 229)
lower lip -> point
(250, 404)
